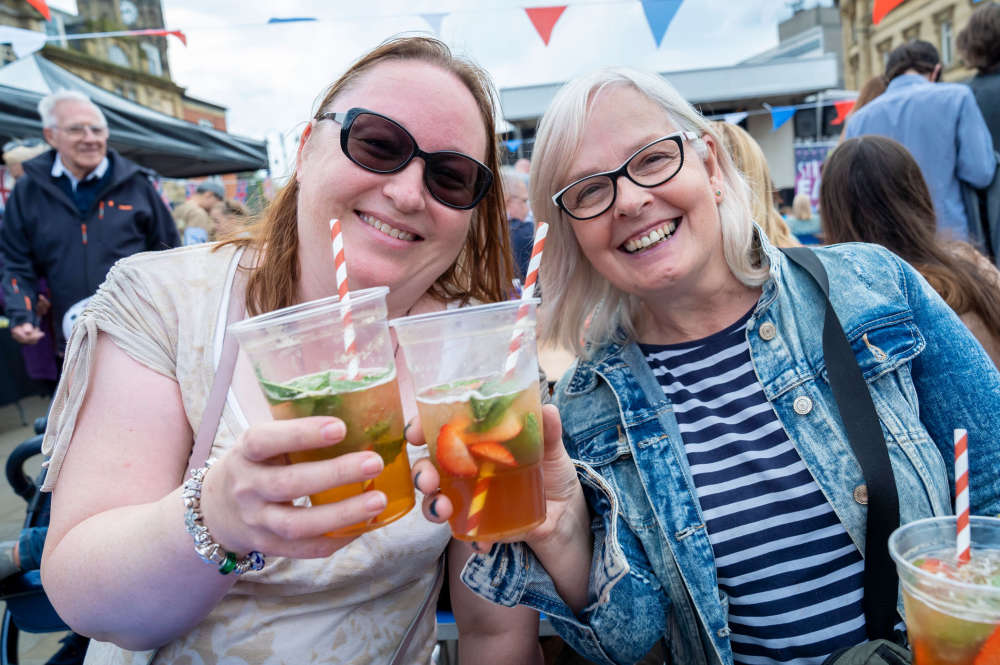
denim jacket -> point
(653, 574)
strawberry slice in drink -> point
(989, 653)
(493, 452)
(505, 430)
(453, 455)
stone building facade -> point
(866, 46)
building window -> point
(117, 56)
(153, 62)
(945, 32)
(884, 48)
(911, 33)
(205, 122)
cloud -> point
(269, 76)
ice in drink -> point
(485, 438)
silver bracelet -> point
(210, 551)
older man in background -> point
(78, 208)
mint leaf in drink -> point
(389, 450)
(277, 392)
(489, 410)
(526, 447)
(377, 430)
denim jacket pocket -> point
(884, 344)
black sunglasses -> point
(382, 145)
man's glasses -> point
(79, 131)
(649, 166)
(381, 145)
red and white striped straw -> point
(350, 339)
(513, 351)
(963, 545)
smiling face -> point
(80, 148)
(395, 233)
(658, 241)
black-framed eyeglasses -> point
(381, 145)
(649, 166)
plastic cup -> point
(483, 424)
(302, 368)
(952, 609)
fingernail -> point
(333, 431)
(416, 478)
(376, 502)
(372, 466)
(433, 511)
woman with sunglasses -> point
(713, 503)
(402, 152)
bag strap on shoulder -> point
(857, 411)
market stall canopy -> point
(170, 146)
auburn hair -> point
(873, 191)
(483, 269)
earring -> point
(718, 193)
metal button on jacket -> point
(802, 405)
(861, 494)
(767, 331)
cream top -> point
(163, 309)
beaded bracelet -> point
(209, 550)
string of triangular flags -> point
(659, 14)
(779, 116)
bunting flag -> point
(544, 19)
(735, 118)
(24, 42)
(42, 8)
(843, 108)
(883, 7)
(241, 190)
(513, 144)
(659, 14)
(780, 115)
(292, 19)
(434, 20)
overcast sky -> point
(269, 76)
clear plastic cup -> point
(303, 370)
(482, 420)
(952, 609)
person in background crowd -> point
(872, 88)
(979, 44)
(805, 224)
(873, 191)
(231, 219)
(17, 152)
(78, 208)
(939, 123)
(194, 222)
(40, 358)
(422, 214)
(522, 232)
(523, 165)
(705, 498)
(751, 162)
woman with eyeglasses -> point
(713, 504)
(402, 152)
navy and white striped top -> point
(792, 574)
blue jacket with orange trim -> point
(44, 234)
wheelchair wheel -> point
(8, 640)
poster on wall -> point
(808, 162)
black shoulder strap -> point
(857, 411)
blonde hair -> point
(22, 153)
(750, 160)
(585, 300)
(802, 206)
